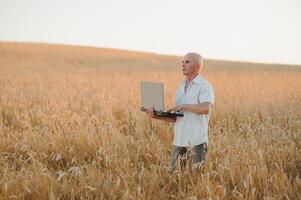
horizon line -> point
(148, 52)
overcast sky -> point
(246, 30)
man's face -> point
(189, 66)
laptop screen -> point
(152, 94)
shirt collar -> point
(197, 79)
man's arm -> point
(151, 113)
(202, 108)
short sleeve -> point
(206, 94)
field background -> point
(70, 127)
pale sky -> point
(245, 30)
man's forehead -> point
(195, 57)
(189, 57)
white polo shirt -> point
(192, 129)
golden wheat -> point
(75, 131)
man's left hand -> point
(178, 108)
(200, 109)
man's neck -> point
(190, 78)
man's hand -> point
(200, 109)
(178, 108)
(150, 112)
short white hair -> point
(196, 57)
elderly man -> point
(194, 97)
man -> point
(194, 97)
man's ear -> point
(198, 66)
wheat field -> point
(71, 127)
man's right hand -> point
(150, 112)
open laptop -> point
(152, 95)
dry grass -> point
(70, 128)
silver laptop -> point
(152, 95)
